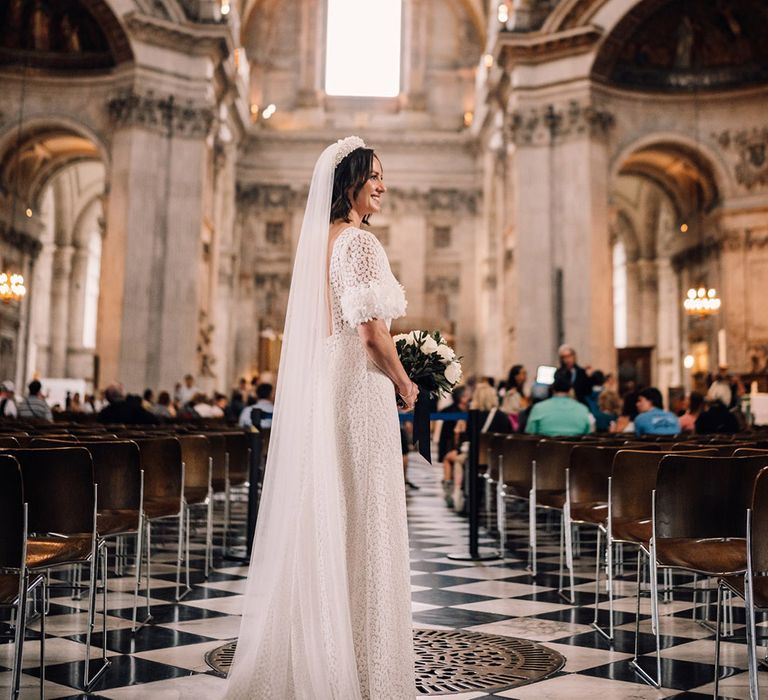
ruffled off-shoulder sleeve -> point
(369, 290)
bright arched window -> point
(619, 295)
(362, 57)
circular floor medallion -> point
(454, 661)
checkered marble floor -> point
(166, 659)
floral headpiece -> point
(345, 147)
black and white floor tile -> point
(166, 658)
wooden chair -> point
(237, 471)
(198, 473)
(163, 493)
(62, 496)
(17, 582)
(752, 588)
(551, 459)
(698, 524)
(514, 477)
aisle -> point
(166, 660)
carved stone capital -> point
(455, 201)
(271, 197)
(274, 281)
(757, 238)
(732, 240)
(164, 115)
(547, 124)
(442, 284)
(750, 147)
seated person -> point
(560, 414)
(716, 419)
(598, 400)
(695, 406)
(651, 418)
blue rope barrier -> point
(408, 417)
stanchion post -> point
(473, 495)
(255, 473)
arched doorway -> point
(53, 181)
(663, 194)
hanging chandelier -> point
(699, 302)
(12, 287)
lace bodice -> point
(362, 284)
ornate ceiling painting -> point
(66, 35)
(687, 45)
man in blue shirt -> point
(652, 419)
(560, 415)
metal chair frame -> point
(29, 582)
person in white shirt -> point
(188, 390)
(264, 403)
(7, 401)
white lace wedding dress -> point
(362, 287)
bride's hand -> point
(409, 396)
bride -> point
(327, 612)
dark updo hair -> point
(352, 172)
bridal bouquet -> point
(429, 361)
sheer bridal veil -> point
(296, 634)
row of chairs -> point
(682, 505)
(85, 489)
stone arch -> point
(52, 143)
(574, 13)
(695, 156)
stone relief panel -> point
(750, 149)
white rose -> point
(410, 338)
(446, 353)
(453, 372)
(429, 345)
(399, 337)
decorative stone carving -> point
(205, 357)
(442, 284)
(276, 281)
(161, 114)
(546, 124)
(435, 200)
(733, 240)
(751, 147)
(268, 196)
(757, 238)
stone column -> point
(414, 53)
(76, 311)
(560, 174)
(649, 302)
(634, 314)
(60, 296)
(311, 48)
(148, 304)
(582, 237)
(222, 255)
(738, 285)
